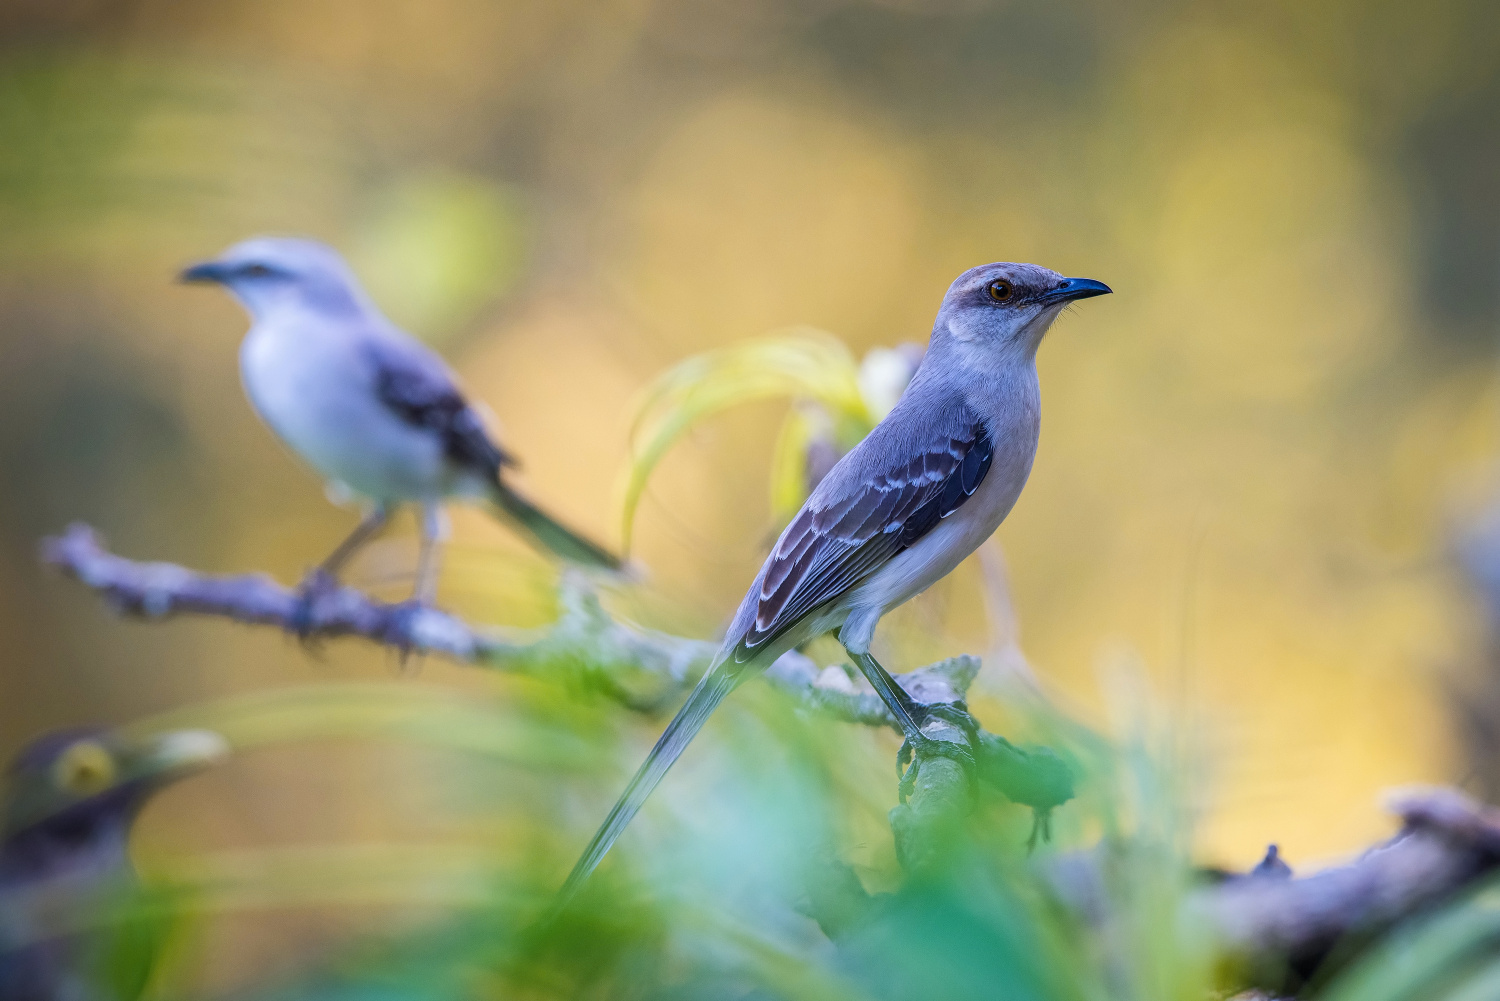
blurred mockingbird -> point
(930, 483)
(376, 412)
(67, 806)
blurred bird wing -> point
(878, 500)
(417, 386)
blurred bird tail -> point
(711, 690)
(552, 534)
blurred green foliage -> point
(1448, 956)
(736, 887)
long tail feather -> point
(710, 691)
(552, 534)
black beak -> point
(208, 271)
(1073, 289)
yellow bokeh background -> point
(1253, 455)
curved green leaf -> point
(804, 364)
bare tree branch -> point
(1446, 843)
(586, 636)
(161, 590)
(1283, 928)
(585, 631)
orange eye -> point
(1001, 291)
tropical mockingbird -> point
(930, 483)
(376, 412)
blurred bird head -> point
(76, 792)
(273, 273)
(1007, 308)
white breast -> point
(318, 393)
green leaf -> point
(804, 364)
(1415, 960)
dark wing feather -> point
(848, 530)
(415, 384)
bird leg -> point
(912, 716)
(434, 531)
(325, 575)
(368, 527)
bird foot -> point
(909, 758)
(316, 585)
(400, 633)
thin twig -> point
(585, 636)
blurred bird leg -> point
(434, 534)
(324, 577)
(369, 527)
(433, 526)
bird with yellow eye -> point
(68, 802)
(84, 769)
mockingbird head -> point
(69, 796)
(1009, 306)
(267, 273)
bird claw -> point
(399, 633)
(909, 761)
(956, 713)
(316, 585)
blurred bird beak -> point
(174, 754)
(1073, 289)
(208, 271)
